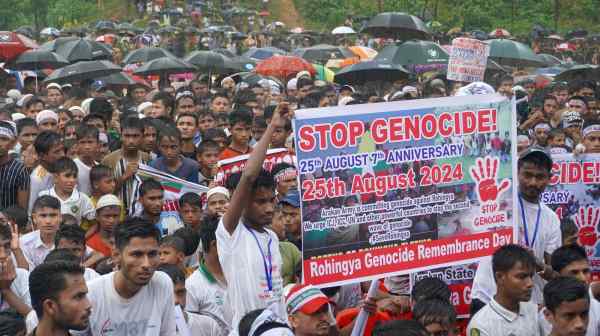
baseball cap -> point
(107, 200)
(307, 299)
(536, 151)
(292, 198)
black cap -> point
(538, 151)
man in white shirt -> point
(135, 300)
(539, 227)
(206, 287)
(571, 261)
(49, 148)
(567, 306)
(248, 252)
(509, 312)
(14, 283)
(37, 244)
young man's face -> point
(517, 283)
(139, 95)
(208, 159)
(88, 148)
(533, 180)
(190, 214)
(149, 141)
(152, 202)
(258, 131)
(291, 218)
(138, 260)
(5, 251)
(505, 88)
(186, 105)
(592, 142)
(187, 126)
(316, 324)
(219, 105)
(72, 308)
(106, 185)
(579, 269)
(170, 148)
(158, 110)
(562, 96)
(550, 108)
(578, 106)
(241, 133)
(217, 204)
(570, 318)
(557, 140)
(169, 255)
(286, 183)
(55, 97)
(65, 182)
(77, 248)
(33, 110)
(108, 217)
(278, 224)
(48, 125)
(27, 136)
(205, 122)
(180, 294)
(279, 136)
(541, 136)
(200, 89)
(47, 220)
(131, 139)
(98, 123)
(260, 209)
(6, 144)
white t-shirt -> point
(593, 322)
(547, 240)
(40, 179)
(34, 249)
(83, 177)
(201, 325)
(79, 205)
(19, 287)
(495, 320)
(149, 312)
(244, 269)
(206, 295)
(90, 275)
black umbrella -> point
(370, 71)
(146, 54)
(168, 30)
(322, 53)
(164, 66)
(105, 25)
(83, 70)
(224, 51)
(39, 59)
(550, 60)
(118, 79)
(208, 61)
(398, 26)
(579, 72)
(78, 49)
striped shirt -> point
(13, 178)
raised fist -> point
(587, 220)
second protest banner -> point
(395, 188)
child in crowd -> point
(72, 201)
(172, 252)
(49, 148)
(217, 135)
(27, 131)
(187, 124)
(46, 217)
(87, 153)
(108, 212)
(190, 210)
(207, 155)
(171, 161)
(241, 126)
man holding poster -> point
(393, 188)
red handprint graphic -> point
(485, 173)
(587, 219)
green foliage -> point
(518, 16)
(71, 12)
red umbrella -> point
(12, 45)
(284, 67)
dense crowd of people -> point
(85, 247)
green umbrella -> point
(513, 53)
(413, 53)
